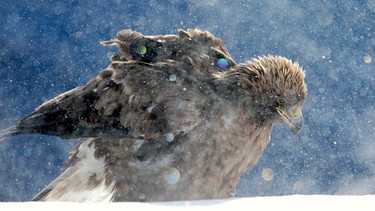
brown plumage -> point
(167, 120)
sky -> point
(49, 47)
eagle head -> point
(272, 87)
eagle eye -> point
(281, 102)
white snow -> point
(289, 203)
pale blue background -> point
(49, 47)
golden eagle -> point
(173, 117)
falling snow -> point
(49, 47)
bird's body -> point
(167, 120)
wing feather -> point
(134, 96)
(103, 107)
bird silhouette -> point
(173, 117)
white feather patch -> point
(74, 184)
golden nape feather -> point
(173, 117)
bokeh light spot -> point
(222, 63)
(367, 59)
(171, 175)
(298, 186)
(169, 137)
(142, 196)
(141, 49)
(267, 174)
(27, 152)
(172, 77)
(325, 18)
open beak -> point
(293, 121)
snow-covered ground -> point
(290, 203)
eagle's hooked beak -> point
(293, 121)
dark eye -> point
(281, 102)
